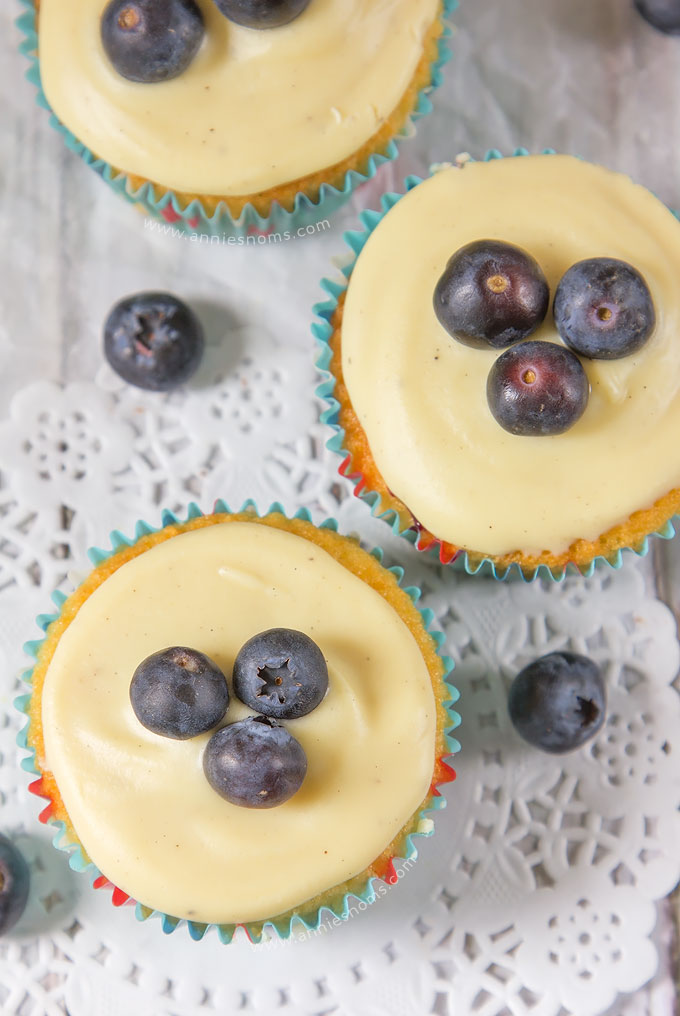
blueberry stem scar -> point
(497, 283)
(588, 710)
(128, 18)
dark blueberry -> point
(151, 40)
(661, 14)
(14, 884)
(537, 388)
(281, 673)
(557, 703)
(153, 340)
(178, 692)
(255, 763)
(262, 13)
(491, 294)
(603, 309)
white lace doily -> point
(535, 896)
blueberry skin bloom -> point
(664, 15)
(14, 884)
(254, 763)
(491, 294)
(179, 692)
(153, 341)
(603, 309)
(151, 40)
(537, 389)
(281, 673)
(262, 13)
(558, 702)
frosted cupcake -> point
(137, 806)
(409, 402)
(261, 123)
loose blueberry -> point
(151, 40)
(153, 340)
(262, 13)
(281, 672)
(178, 692)
(14, 884)
(536, 389)
(663, 15)
(557, 703)
(255, 763)
(603, 309)
(491, 294)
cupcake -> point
(411, 400)
(138, 806)
(255, 127)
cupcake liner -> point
(285, 925)
(322, 329)
(192, 219)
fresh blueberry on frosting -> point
(664, 15)
(153, 340)
(537, 388)
(281, 673)
(557, 702)
(603, 309)
(262, 13)
(151, 40)
(491, 294)
(254, 763)
(178, 692)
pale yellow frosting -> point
(254, 109)
(420, 395)
(140, 803)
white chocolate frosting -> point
(140, 803)
(254, 109)
(420, 395)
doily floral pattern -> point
(535, 896)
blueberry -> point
(603, 309)
(153, 340)
(151, 40)
(255, 763)
(178, 692)
(557, 702)
(281, 673)
(661, 14)
(262, 13)
(491, 294)
(537, 388)
(14, 884)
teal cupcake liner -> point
(286, 926)
(322, 329)
(192, 219)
